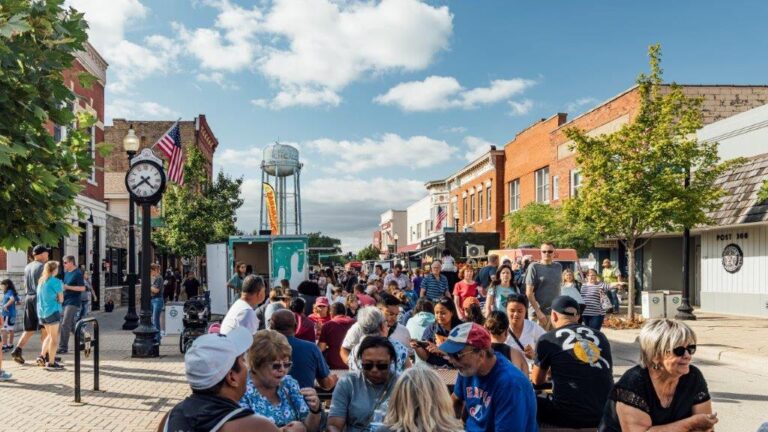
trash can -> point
(652, 304)
(174, 312)
(672, 301)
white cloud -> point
(476, 147)
(574, 106)
(146, 110)
(312, 49)
(441, 93)
(129, 62)
(347, 208)
(217, 78)
(520, 108)
(250, 157)
(384, 152)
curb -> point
(732, 357)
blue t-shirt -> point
(11, 311)
(308, 362)
(502, 401)
(47, 303)
(73, 278)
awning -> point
(408, 248)
(423, 251)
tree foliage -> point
(200, 212)
(634, 178)
(536, 223)
(369, 252)
(39, 177)
(318, 240)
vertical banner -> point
(271, 202)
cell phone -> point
(420, 343)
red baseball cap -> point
(322, 301)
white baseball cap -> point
(211, 356)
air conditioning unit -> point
(475, 251)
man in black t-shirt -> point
(191, 285)
(581, 365)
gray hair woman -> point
(665, 389)
(372, 322)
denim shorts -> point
(55, 318)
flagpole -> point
(166, 133)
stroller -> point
(197, 314)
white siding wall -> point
(418, 212)
(744, 292)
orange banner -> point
(271, 203)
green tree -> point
(200, 212)
(634, 178)
(369, 252)
(536, 223)
(40, 177)
(318, 240)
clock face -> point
(144, 180)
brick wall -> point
(479, 184)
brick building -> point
(194, 133)
(541, 167)
(476, 204)
(87, 245)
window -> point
(428, 226)
(418, 231)
(555, 188)
(542, 185)
(480, 205)
(472, 208)
(466, 212)
(488, 201)
(514, 195)
(92, 133)
(575, 182)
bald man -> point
(308, 362)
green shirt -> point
(610, 275)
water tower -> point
(281, 169)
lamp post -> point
(685, 311)
(131, 146)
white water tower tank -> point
(281, 160)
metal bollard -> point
(79, 346)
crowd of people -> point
(521, 342)
(56, 296)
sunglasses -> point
(680, 351)
(460, 354)
(547, 251)
(379, 366)
(276, 366)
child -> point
(9, 313)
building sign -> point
(733, 258)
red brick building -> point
(87, 245)
(476, 194)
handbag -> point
(605, 302)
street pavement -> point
(136, 393)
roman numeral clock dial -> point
(145, 181)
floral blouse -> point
(292, 405)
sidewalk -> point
(736, 340)
(134, 396)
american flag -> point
(170, 144)
(441, 215)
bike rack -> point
(80, 346)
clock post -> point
(145, 182)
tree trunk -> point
(631, 280)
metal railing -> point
(90, 344)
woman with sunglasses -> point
(665, 389)
(446, 318)
(372, 323)
(500, 289)
(361, 398)
(274, 394)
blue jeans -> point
(85, 309)
(594, 321)
(614, 297)
(157, 309)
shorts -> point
(55, 318)
(31, 322)
(8, 323)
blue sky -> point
(380, 96)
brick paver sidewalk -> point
(135, 393)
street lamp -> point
(131, 146)
(685, 311)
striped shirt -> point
(434, 289)
(592, 295)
